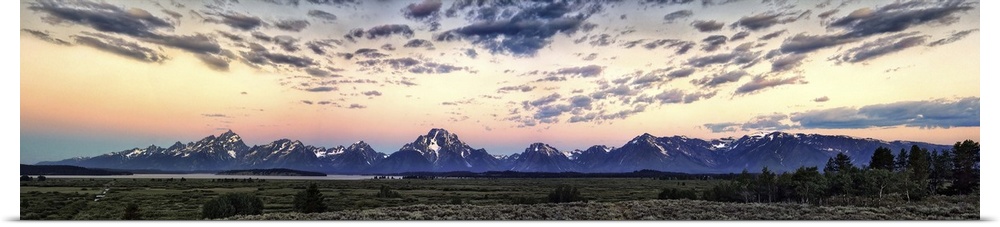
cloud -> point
(322, 15)
(758, 83)
(545, 100)
(120, 47)
(713, 43)
(198, 43)
(880, 47)
(292, 25)
(215, 115)
(307, 102)
(771, 122)
(521, 88)
(522, 33)
(44, 36)
(317, 72)
(740, 57)
(214, 62)
(681, 73)
(423, 9)
(761, 21)
(721, 127)
(676, 15)
(471, 53)
(583, 71)
(320, 89)
(101, 16)
(899, 16)
(827, 14)
(739, 36)
(707, 26)
(772, 35)
(236, 20)
(419, 43)
(681, 46)
(173, 14)
(356, 106)
(803, 43)
(380, 31)
(923, 114)
(283, 2)
(719, 79)
(372, 93)
(319, 46)
(693, 97)
(335, 2)
(821, 99)
(263, 57)
(787, 62)
(581, 101)
(955, 36)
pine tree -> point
(882, 159)
(941, 165)
(310, 200)
(766, 185)
(965, 167)
(902, 161)
(919, 172)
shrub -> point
(41, 178)
(673, 193)
(309, 200)
(565, 194)
(385, 192)
(132, 212)
(232, 204)
(25, 178)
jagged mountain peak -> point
(543, 148)
(360, 145)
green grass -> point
(181, 200)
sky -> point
(105, 76)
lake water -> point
(213, 176)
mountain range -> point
(442, 151)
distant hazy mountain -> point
(442, 151)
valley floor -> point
(649, 210)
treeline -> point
(645, 173)
(907, 175)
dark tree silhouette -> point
(131, 212)
(965, 167)
(882, 159)
(309, 200)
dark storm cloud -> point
(320, 89)
(762, 21)
(676, 15)
(955, 36)
(719, 79)
(236, 20)
(101, 16)
(323, 15)
(583, 71)
(707, 26)
(44, 36)
(787, 62)
(119, 46)
(380, 31)
(292, 25)
(880, 47)
(821, 99)
(521, 88)
(423, 9)
(419, 43)
(713, 43)
(772, 35)
(760, 83)
(372, 93)
(900, 16)
(922, 114)
(739, 36)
